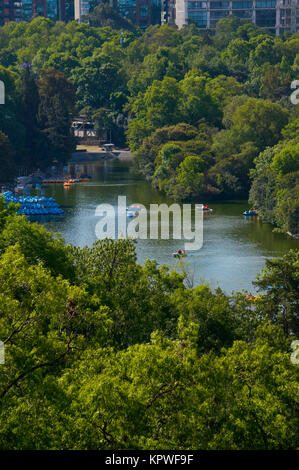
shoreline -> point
(293, 235)
(86, 153)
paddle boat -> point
(251, 297)
(179, 254)
(133, 207)
(131, 214)
(205, 208)
(33, 205)
(85, 177)
(251, 212)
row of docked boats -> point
(33, 205)
(68, 180)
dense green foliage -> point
(275, 185)
(201, 109)
(102, 353)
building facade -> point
(25, 10)
(143, 13)
(276, 15)
(168, 11)
(10, 10)
(127, 8)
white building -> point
(81, 9)
(276, 15)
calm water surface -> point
(234, 250)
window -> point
(196, 5)
(52, 9)
(218, 5)
(243, 13)
(242, 5)
(219, 14)
(266, 19)
(198, 17)
(143, 10)
(266, 4)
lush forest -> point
(102, 353)
(209, 116)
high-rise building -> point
(66, 10)
(25, 10)
(276, 15)
(34, 8)
(10, 10)
(143, 13)
(127, 8)
(148, 12)
(81, 9)
(167, 11)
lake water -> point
(234, 248)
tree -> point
(95, 80)
(29, 115)
(226, 29)
(286, 161)
(159, 106)
(37, 245)
(198, 100)
(105, 15)
(206, 320)
(10, 123)
(7, 162)
(190, 177)
(281, 301)
(222, 89)
(260, 121)
(168, 159)
(103, 120)
(57, 100)
(237, 51)
(287, 203)
(132, 294)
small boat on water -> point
(251, 297)
(251, 212)
(133, 208)
(131, 214)
(85, 177)
(179, 254)
(60, 180)
(205, 208)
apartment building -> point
(10, 10)
(25, 10)
(276, 15)
(143, 13)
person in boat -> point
(181, 253)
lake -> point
(234, 249)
